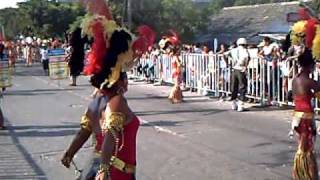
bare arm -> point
(260, 54)
(115, 120)
(108, 147)
(82, 136)
(79, 140)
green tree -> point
(316, 5)
(40, 17)
(183, 16)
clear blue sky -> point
(8, 3)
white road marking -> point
(157, 128)
(160, 129)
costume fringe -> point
(305, 166)
(176, 95)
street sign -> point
(56, 52)
(58, 67)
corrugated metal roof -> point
(248, 21)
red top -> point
(176, 69)
(128, 152)
(303, 103)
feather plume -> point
(298, 32)
(174, 38)
(98, 50)
(146, 39)
(304, 14)
(99, 7)
(316, 45)
(310, 31)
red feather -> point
(304, 14)
(98, 50)
(146, 39)
(174, 38)
(99, 7)
(310, 31)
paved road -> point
(200, 139)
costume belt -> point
(122, 166)
(303, 115)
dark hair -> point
(286, 44)
(74, 37)
(267, 39)
(118, 44)
(306, 58)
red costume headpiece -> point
(307, 31)
(113, 46)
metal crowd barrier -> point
(267, 82)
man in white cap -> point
(240, 60)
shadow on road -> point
(152, 96)
(282, 158)
(258, 108)
(16, 161)
(143, 98)
(33, 92)
(207, 111)
(43, 131)
(44, 127)
(162, 123)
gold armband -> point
(115, 121)
(104, 168)
(85, 123)
(122, 166)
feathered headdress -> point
(98, 7)
(113, 46)
(307, 31)
(174, 38)
(146, 39)
(170, 40)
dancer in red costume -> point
(176, 92)
(113, 51)
(306, 32)
(91, 123)
(304, 90)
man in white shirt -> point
(45, 59)
(240, 60)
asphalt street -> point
(200, 139)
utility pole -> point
(129, 6)
(3, 33)
(124, 13)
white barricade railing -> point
(267, 82)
